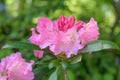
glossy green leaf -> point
(53, 76)
(53, 63)
(76, 59)
(99, 45)
(20, 45)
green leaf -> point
(40, 72)
(37, 73)
(108, 76)
(71, 75)
(99, 45)
(53, 76)
(53, 63)
(76, 59)
(20, 45)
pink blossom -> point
(89, 32)
(14, 67)
(38, 53)
(67, 39)
(64, 34)
(45, 35)
(68, 42)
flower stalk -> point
(65, 75)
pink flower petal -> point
(45, 28)
(89, 32)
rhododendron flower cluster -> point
(64, 35)
(14, 67)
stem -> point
(65, 74)
(64, 66)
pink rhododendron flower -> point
(38, 53)
(89, 32)
(45, 35)
(64, 35)
(68, 42)
(14, 67)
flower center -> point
(62, 55)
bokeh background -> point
(17, 17)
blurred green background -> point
(17, 17)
